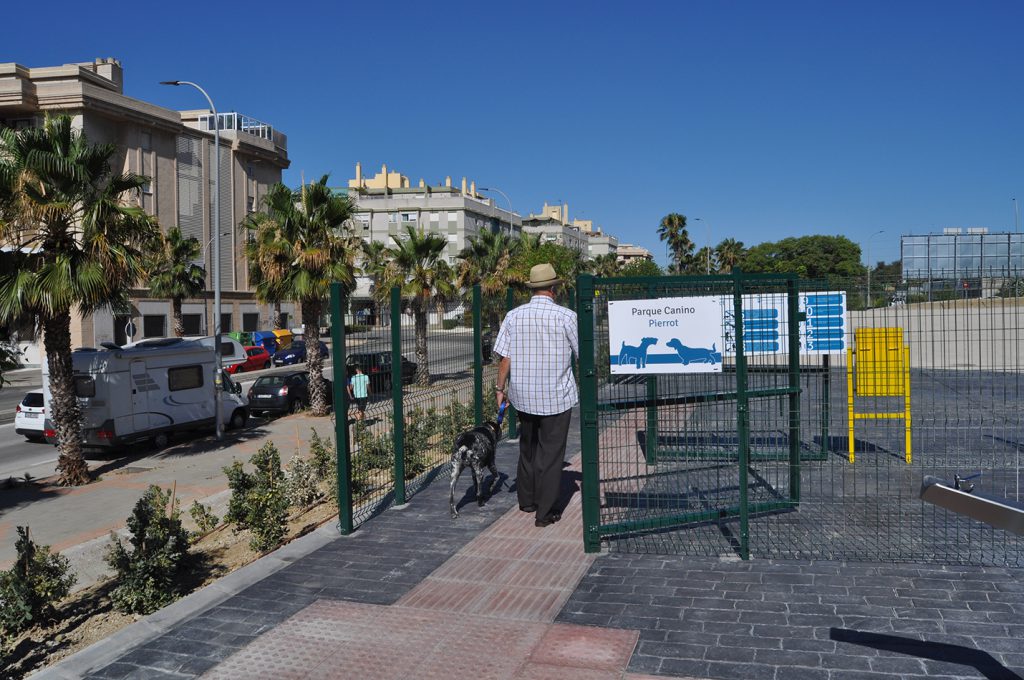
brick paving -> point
(413, 594)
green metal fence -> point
(756, 460)
(428, 367)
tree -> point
(78, 246)
(173, 273)
(266, 252)
(374, 264)
(489, 260)
(641, 267)
(703, 262)
(728, 253)
(418, 268)
(303, 243)
(813, 257)
(568, 262)
(605, 265)
(672, 230)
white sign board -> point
(666, 335)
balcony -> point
(238, 122)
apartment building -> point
(627, 252)
(175, 149)
(387, 203)
(554, 226)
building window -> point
(250, 322)
(192, 323)
(284, 319)
(435, 217)
(250, 204)
(392, 218)
(409, 217)
(146, 141)
(225, 322)
(154, 325)
(184, 378)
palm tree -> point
(672, 230)
(76, 244)
(728, 253)
(374, 264)
(266, 251)
(303, 242)
(173, 273)
(489, 260)
(605, 265)
(419, 270)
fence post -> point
(588, 416)
(398, 417)
(651, 435)
(793, 319)
(343, 453)
(742, 415)
(513, 421)
(478, 358)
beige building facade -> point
(175, 149)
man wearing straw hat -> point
(536, 343)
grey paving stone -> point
(740, 671)
(680, 667)
(733, 654)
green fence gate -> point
(755, 458)
(683, 425)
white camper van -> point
(148, 391)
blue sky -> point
(766, 120)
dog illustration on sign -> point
(695, 355)
(636, 355)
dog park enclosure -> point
(757, 458)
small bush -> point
(149, 575)
(449, 324)
(30, 590)
(205, 520)
(259, 501)
(321, 456)
(303, 486)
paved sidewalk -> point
(415, 594)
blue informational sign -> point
(823, 330)
(766, 326)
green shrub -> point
(259, 500)
(449, 324)
(149, 575)
(321, 456)
(205, 520)
(303, 486)
(32, 587)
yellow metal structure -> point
(881, 369)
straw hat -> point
(542, 276)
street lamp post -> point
(507, 200)
(218, 418)
(867, 303)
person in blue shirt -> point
(359, 391)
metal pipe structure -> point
(218, 416)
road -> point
(451, 353)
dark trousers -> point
(541, 452)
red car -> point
(257, 358)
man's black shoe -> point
(528, 508)
(547, 521)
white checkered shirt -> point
(540, 339)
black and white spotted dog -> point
(475, 449)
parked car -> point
(282, 393)
(377, 365)
(257, 358)
(29, 417)
(296, 354)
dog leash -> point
(501, 412)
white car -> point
(29, 417)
